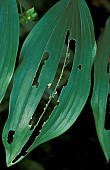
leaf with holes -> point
(43, 48)
(101, 89)
(9, 38)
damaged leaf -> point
(70, 18)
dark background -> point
(78, 148)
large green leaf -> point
(49, 36)
(9, 38)
(101, 89)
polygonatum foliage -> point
(67, 21)
(9, 40)
(100, 101)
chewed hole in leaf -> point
(72, 43)
(35, 118)
(60, 79)
(80, 67)
(49, 100)
(43, 60)
(108, 68)
(109, 59)
(22, 153)
(107, 116)
(11, 134)
(52, 91)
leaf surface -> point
(48, 36)
(101, 89)
(9, 39)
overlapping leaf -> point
(9, 38)
(48, 36)
(101, 89)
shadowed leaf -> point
(102, 88)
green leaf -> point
(101, 89)
(9, 38)
(48, 37)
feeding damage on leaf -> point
(42, 62)
(10, 136)
(42, 75)
(50, 97)
(80, 67)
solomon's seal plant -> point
(38, 72)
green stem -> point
(20, 5)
